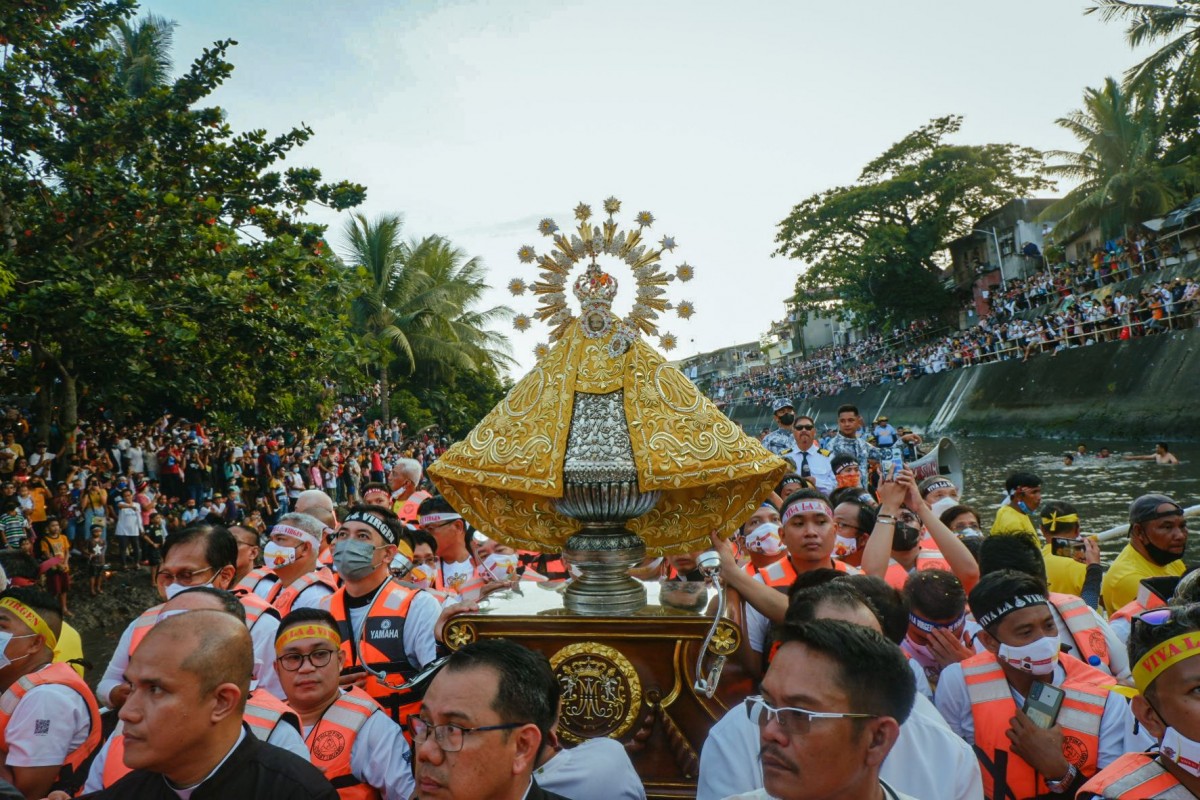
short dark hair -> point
(19, 565)
(375, 486)
(399, 530)
(1060, 507)
(872, 671)
(1017, 479)
(844, 407)
(40, 601)
(951, 513)
(889, 603)
(437, 504)
(229, 601)
(935, 594)
(1015, 551)
(220, 548)
(527, 690)
(812, 577)
(1143, 637)
(1163, 445)
(803, 494)
(803, 604)
(845, 493)
(866, 514)
(421, 537)
(995, 588)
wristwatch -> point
(1064, 783)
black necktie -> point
(804, 470)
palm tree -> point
(143, 51)
(415, 303)
(1122, 177)
(1178, 59)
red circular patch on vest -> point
(1075, 751)
(329, 745)
(1099, 643)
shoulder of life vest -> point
(380, 645)
(331, 743)
(1084, 628)
(1133, 776)
(264, 712)
(60, 674)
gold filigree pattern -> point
(601, 691)
(459, 634)
(726, 640)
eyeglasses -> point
(793, 721)
(1163, 615)
(844, 526)
(294, 661)
(184, 576)
(450, 737)
(804, 427)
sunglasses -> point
(1161, 616)
(804, 427)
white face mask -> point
(5, 638)
(1037, 657)
(421, 576)
(970, 533)
(844, 545)
(276, 555)
(501, 566)
(175, 588)
(765, 540)
(1182, 750)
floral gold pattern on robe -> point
(504, 477)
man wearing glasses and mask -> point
(830, 711)
(485, 720)
(199, 555)
(350, 738)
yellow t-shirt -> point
(1065, 575)
(1127, 572)
(70, 646)
(1011, 520)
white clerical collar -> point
(186, 792)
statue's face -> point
(595, 321)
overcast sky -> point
(476, 119)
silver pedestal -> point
(600, 490)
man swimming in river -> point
(1161, 455)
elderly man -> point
(291, 555)
(199, 555)
(483, 724)
(403, 480)
(184, 735)
(350, 738)
(830, 712)
(1158, 536)
(387, 629)
(49, 720)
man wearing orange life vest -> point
(894, 548)
(199, 555)
(1154, 593)
(808, 535)
(853, 521)
(760, 539)
(317, 503)
(349, 737)
(403, 480)
(1163, 645)
(268, 718)
(1081, 631)
(291, 554)
(387, 628)
(49, 719)
(982, 697)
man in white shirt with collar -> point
(810, 460)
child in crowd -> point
(97, 549)
(54, 554)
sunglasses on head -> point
(1161, 616)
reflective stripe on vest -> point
(1145, 601)
(256, 609)
(380, 645)
(1084, 627)
(59, 674)
(254, 605)
(142, 625)
(284, 598)
(252, 579)
(1005, 774)
(1135, 776)
(331, 743)
(778, 575)
(264, 712)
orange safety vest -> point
(475, 582)
(896, 574)
(1006, 776)
(283, 598)
(331, 743)
(1146, 599)
(381, 646)
(60, 674)
(543, 566)
(252, 579)
(778, 574)
(1085, 629)
(1134, 776)
(408, 510)
(255, 607)
(263, 714)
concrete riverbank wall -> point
(1147, 388)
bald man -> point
(189, 679)
(316, 503)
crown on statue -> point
(595, 287)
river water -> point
(1100, 488)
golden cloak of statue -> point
(504, 477)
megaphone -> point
(941, 460)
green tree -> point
(143, 51)
(871, 249)
(414, 307)
(160, 258)
(1121, 175)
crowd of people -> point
(898, 650)
(1075, 316)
